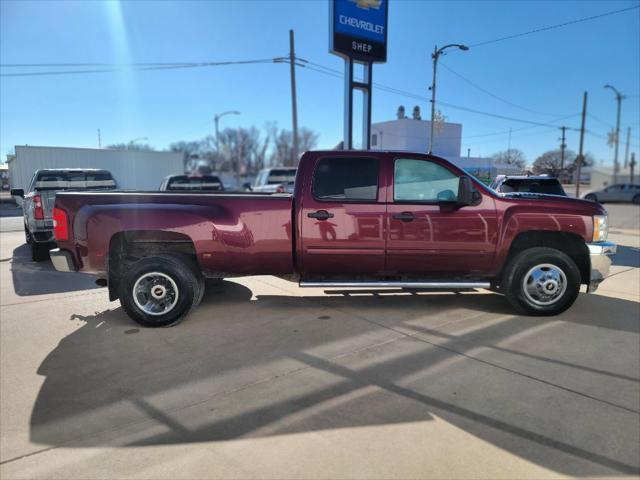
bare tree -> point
(549, 162)
(242, 150)
(191, 151)
(511, 156)
(130, 146)
(283, 140)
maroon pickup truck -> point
(356, 219)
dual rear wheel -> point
(160, 291)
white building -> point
(603, 177)
(132, 169)
(412, 135)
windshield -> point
(545, 186)
(278, 176)
(205, 183)
(73, 180)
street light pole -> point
(435, 55)
(216, 120)
(619, 98)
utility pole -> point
(579, 159)
(616, 167)
(632, 167)
(563, 147)
(294, 102)
(100, 140)
(626, 149)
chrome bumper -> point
(62, 260)
(601, 256)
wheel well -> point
(571, 244)
(125, 248)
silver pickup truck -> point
(274, 180)
(37, 203)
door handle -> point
(320, 215)
(404, 216)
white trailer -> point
(132, 169)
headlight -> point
(600, 228)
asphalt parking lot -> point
(265, 380)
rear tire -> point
(39, 251)
(636, 200)
(541, 281)
(160, 291)
(28, 238)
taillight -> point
(60, 224)
(38, 212)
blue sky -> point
(544, 74)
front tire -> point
(541, 281)
(160, 291)
(636, 200)
(591, 197)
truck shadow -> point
(627, 256)
(40, 278)
(255, 366)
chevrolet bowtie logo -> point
(367, 4)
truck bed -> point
(228, 229)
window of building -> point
(374, 140)
(423, 181)
(344, 178)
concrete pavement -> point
(265, 380)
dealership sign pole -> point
(358, 33)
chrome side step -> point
(392, 284)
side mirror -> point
(467, 195)
(17, 192)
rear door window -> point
(346, 179)
(209, 183)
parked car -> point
(276, 180)
(541, 184)
(203, 183)
(38, 202)
(620, 192)
(365, 219)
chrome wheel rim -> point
(544, 284)
(155, 293)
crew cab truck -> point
(355, 219)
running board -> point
(392, 284)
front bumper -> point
(601, 255)
(62, 260)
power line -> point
(551, 27)
(604, 122)
(484, 90)
(335, 73)
(123, 67)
